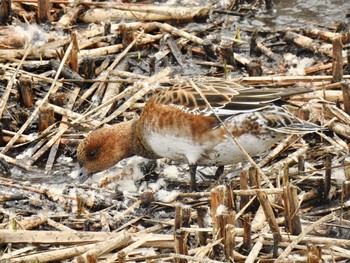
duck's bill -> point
(83, 175)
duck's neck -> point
(139, 144)
(122, 134)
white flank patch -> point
(176, 148)
(228, 152)
(183, 149)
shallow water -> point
(299, 13)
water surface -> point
(299, 13)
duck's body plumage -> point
(177, 123)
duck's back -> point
(178, 123)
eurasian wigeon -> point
(178, 124)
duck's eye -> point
(92, 154)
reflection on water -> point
(294, 13)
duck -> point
(202, 121)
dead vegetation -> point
(65, 77)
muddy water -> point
(299, 13)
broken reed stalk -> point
(247, 192)
(25, 92)
(180, 238)
(270, 216)
(216, 199)
(103, 247)
(247, 234)
(44, 7)
(126, 250)
(308, 43)
(201, 213)
(314, 254)
(46, 118)
(254, 252)
(229, 242)
(52, 89)
(285, 178)
(192, 259)
(345, 87)
(143, 12)
(182, 219)
(229, 200)
(63, 126)
(328, 177)
(243, 185)
(223, 219)
(291, 209)
(223, 214)
(13, 161)
(107, 72)
(301, 164)
(5, 12)
(346, 185)
(141, 91)
(302, 235)
(121, 257)
(71, 115)
(32, 222)
(340, 128)
(11, 82)
(2, 140)
(338, 65)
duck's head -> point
(103, 148)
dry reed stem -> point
(61, 129)
(144, 13)
(290, 140)
(303, 234)
(59, 226)
(106, 246)
(106, 73)
(68, 237)
(193, 259)
(30, 76)
(18, 163)
(205, 250)
(293, 157)
(254, 252)
(142, 240)
(71, 115)
(142, 89)
(11, 82)
(52, 89)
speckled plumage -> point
(177, 123)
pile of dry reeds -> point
(65, 77)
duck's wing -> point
(226, 98)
